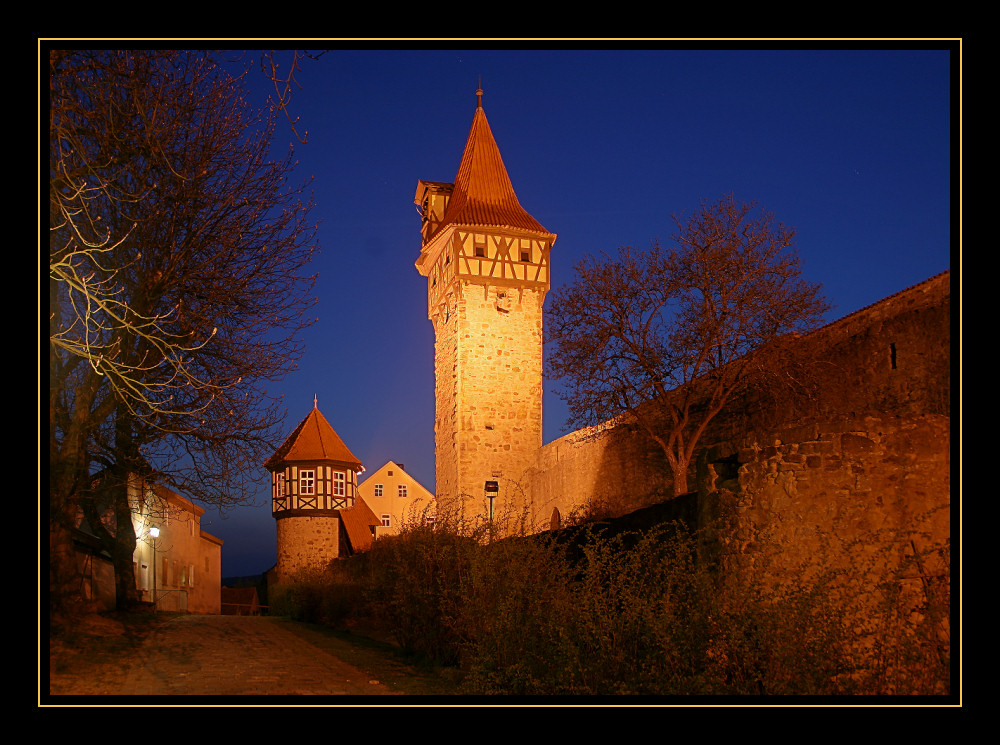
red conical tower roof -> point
(483, 194)
(313, 440)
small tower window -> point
(307, 482)
(339, 489)
(525, 255)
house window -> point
(307, 482)
(386, 520)
(402, 490)
(339, 488)
(378, 490)
(279, 485)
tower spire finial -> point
(479, 93)
(315, 406)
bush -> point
(327, 597)
(643, 613)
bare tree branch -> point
(670, 336)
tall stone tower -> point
(314, 482)
(487, 266)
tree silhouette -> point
(177, 250)
(670, 335)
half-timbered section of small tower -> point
(486, 261)
(314, 479)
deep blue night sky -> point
(852, 147)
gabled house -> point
(177, 565)
(396, 498)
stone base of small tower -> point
(306, 543)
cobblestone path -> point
(239, 656)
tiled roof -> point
(483, 194)
(358, 522)
(314, 439)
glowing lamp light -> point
(154, 532)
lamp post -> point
(490, 490)
(154, 532)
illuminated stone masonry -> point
(486, 261)
(850, 459)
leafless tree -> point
(670, 335)
(176, 277)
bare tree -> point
(670, 335)
(177, 293)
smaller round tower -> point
(313, 478)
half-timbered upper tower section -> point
(313, 472)
(475, 230)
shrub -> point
(585, 612)
(326, 597)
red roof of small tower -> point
(314, 439)
(483, 194)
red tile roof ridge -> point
(313, 439)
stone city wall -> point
(866, 447)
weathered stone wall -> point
(489, 418)
(306, 542)
(598, 471)
(868, 478)
(864, 443)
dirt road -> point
(223, 656)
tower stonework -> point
(486, 261)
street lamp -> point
(154, 532)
